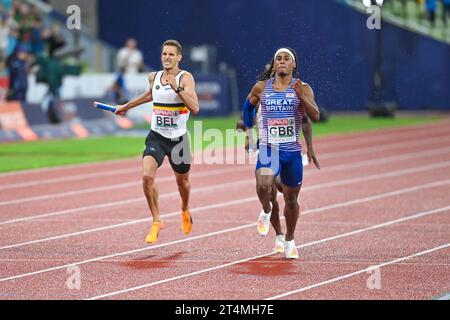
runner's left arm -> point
(307, 133)
(306, 95)
(188, 94)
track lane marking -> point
(384, 160)
(168, 243)
(349, 275)
(306, 189)
(347, 234)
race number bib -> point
(165, 119)
(281, 130)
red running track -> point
(375, 225)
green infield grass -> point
(46, 153)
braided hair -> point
(268, 69)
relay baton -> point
(105, 107)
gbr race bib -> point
(281, 130)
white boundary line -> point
(173, 242)
(68, 178)
(68, 166)
(377, 226)
(443, 297)
(369, 139)
(348, 275)
(319, 186)
(341, 136)
(121, 202)
(382, 148)
(334, 168)
(162, 179)
(231, 169)
(326, 155)
(345, 136)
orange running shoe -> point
(152, 237)
(186, 221)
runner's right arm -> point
(143, 98)
(248, 109)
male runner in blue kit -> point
(284, 102)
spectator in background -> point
(130, 57)
(118, 89)
(446, 7)
(12, 41)
(3, 13)
(20, 13)
(4, 37)
(18, 74)
(55, 40)
(7, 5)
(25, 28)
(34, 14)
(11, 22)
(430, 6)
(37, 40)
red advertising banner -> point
(12, 117)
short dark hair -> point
(173, 43)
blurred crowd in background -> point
(435, 13)
(23, 39)
(35, 41)
(29, 45)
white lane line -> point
(383, 148)
(319, 186)
(161, 245)
(109, 204)
(379, 196)
(384, 160)
(438, 128)
(387, 138)
(121, 185)
(99, 163)
(334, 206)
(315, 187)
(354, 136)
(68, 178)
(443, 297)
(348, 275)
(129, 223)
(377, 226)
(327, 155)
(121, 202)
(379, 176)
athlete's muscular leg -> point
(150, 190)
(291, 209)
(264, 182)
(275, 218)
(184, 187)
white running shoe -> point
(290, 250)
(279, 244)
(264, 222)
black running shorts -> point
(177, 150)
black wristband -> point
(179, 89)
